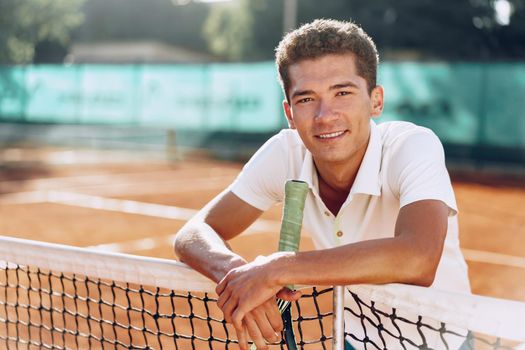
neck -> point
(340, 175)
(337, 178)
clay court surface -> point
(88, 204)
(137, 206)
(92, 209)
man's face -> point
(331, 108)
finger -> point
(222, 284)
(242, 337)
(237, 318)
(289, 295)
(227, 310)
(255, 333)
(273, 315)
(264, 325)
(223, 298)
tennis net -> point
(60, 297)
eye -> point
(343, 93)
(304, 100)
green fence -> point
(229, 97)
(470, 104)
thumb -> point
(289, 295)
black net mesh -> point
(379, 326)
(40, 309)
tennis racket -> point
(294, 198)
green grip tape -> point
(294, 198)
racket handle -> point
(294, 199)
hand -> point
(262, 324)
(247, 287)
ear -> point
(377, 101)
(288, 113)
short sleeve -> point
(261, 181)
(417, 170)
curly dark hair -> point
(327, 36)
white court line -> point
(24, 197)
(120, 205)
(96, 202)
(47, 183)
(136, 245)
(258, 227)
(493, 258)
(141, 208)
(133, 176)
(184, 214)
(136, 185)
(158, 187)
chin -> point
(332, 158)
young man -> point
(380, 206)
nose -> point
(325, 112)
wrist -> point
(280, 271)
(223, 270)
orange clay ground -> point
(492, 219)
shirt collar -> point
(367, 180)
(309, 172)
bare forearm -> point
(199, 246)
(392, 260)
(411, 256)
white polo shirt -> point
(403, 163)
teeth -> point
(331, 135)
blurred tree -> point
(245, 29)
(424, 29)
(509, 37)
(159, 20)
(229, 30)
(26, 23)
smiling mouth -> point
(331, 135)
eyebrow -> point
(346, 84)
(302, 93)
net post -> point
(338, 329)
(171, 146)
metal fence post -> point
(338, 330)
